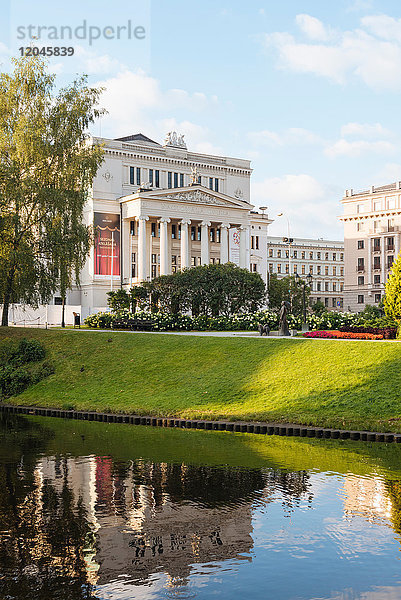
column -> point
(142, 256)
(205, 242)
(185, 262)
(244, 248)
(165, 261)
(224, 229)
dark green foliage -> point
(15, 375)
(289, 289)
(318, 308)
(118, 300)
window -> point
(390, 225)
(193, 261)
(303, 255)
(390, 202)
(376, 244)
(377, 205)
(326, 270)
(270, 268)
(287, 254)
(176, 180)
(319, 270)
(311, 269)
(378, 297)
(361, 280)
(58, 301)
(211, 183)
(179, 232)
(334, 256)
(326, 256)
(360, 226)
(310, 255)
(173, 231)
(341, 287)
(295, 254)
(326, 302)
(303, 270)
(361, 244)
(174, 263)
(133, 264)
(153, 229)
(212, 236)
(341, 256)
(169, 180)
(254, 268)
(319, 286)
(218, 237)
(287, 268)
(376, 279)
(257, 242)
(318, 255)
(376, 262)
(138, 176)
(199, 234)
(326, 286)
(252, 242)
(199, 180)
(390, 261)
(270, 252)
(341, 271)
(132, 175)
(361, 264)
(278, 268)
(216, 186)
(376, 225)
(151, 177)
(295, 268)
(132, 227)
(334, 286)
(278, 253)
(181, 179)
(333, 302)
(334, 271)
(193, 229)
(390, 243)
(361, 299)
(157, 178)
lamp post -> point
(309, 283)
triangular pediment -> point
(195, 194)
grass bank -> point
(331, 384)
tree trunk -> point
(63, 313)
(7, 298)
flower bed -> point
(389, 333)
(343, 335)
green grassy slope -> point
(334, 384)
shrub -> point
(16, 374)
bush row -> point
(240, 322)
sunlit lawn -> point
(335, 384)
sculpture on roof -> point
(177, 141)
(194, 175)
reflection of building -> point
(372, 224)
(159, 208)
(366, 497)
(323, 259)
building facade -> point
(159, 208)
(372, 225)
(322, 259)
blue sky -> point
(308, 90)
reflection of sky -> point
(305, 551)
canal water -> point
(107, 511)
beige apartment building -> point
(322, 259)
(372, 225)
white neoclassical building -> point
(159, 208)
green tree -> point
(46, 170)
(318, 308)
(392, 298)
(118, 300)
(290, 289)
(210, 290)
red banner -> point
(107, 244)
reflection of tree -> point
(393, 489)
(42, 551)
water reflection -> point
(105, 526)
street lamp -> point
(305, 283)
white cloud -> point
(318, 215)
(312, 27)
(371, 53)
(292, 136)
(344, 147)
(136, 103)
(359, 5)
(364, 130)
